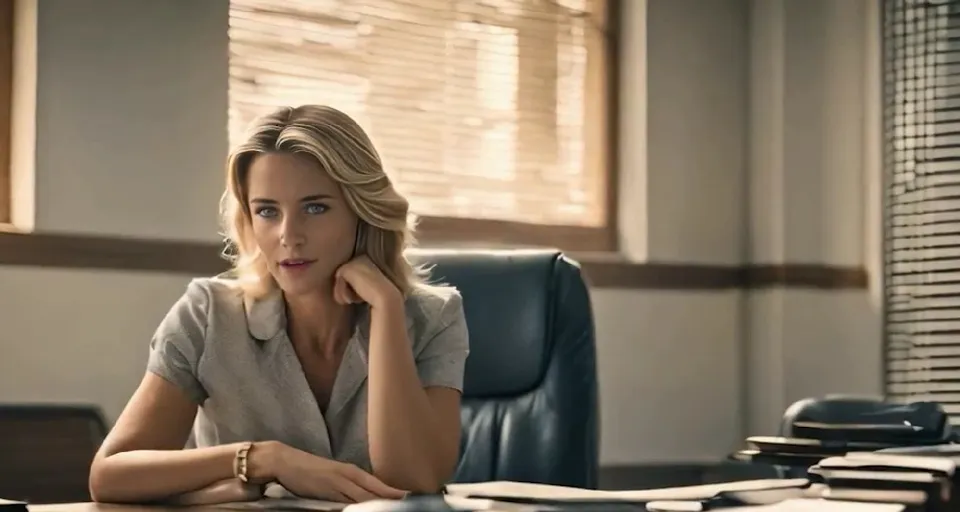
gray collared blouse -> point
(233, 357)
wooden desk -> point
(95, 507)
(504, 490)
(98, 507)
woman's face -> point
(300, 221)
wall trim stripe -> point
(203, 258)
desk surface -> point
(99, 507)
(304, 505)
(494, 490)
(92, 507)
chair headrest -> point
(508, 299)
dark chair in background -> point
(46, 451)
(530, 406)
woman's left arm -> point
(413, 409)
(414, 431)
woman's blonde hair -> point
(346, 154)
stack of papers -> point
(517, 491)
(918, 480)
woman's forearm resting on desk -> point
(166, 475)
(142, 458)
(413, 432)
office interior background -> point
(729, 210)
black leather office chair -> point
(530, 406)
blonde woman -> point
(321, 362)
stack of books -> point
(798, 452)
(922, 479)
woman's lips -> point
(295, 264)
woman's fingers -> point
(343, 293)
(339, 497)
(353, 296)
(374, 484)
(354, 492)
(340, 291)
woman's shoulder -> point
(431, 308)
(429, 300)
(180, 342)
(204, 300)
(208, 293)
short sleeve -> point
(444, 356)
(177, 344)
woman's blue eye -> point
(316, 208)
(266, 211)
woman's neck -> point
(317, 322)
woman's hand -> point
(359, 280)
(310, 476)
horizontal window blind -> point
(922, 201)
(479, 108)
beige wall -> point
(813, 154)
(738, 145)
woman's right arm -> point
(143, 460)
(143, 457)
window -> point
(6, 98)
(491, 116)
(922, 201)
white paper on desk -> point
(820, 505)
(463, 503)
(506, 489)
(457, 503)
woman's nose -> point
(291, 232)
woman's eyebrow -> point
(313, 197)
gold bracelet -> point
(240, 461)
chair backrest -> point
(46, 451)
(530, 406)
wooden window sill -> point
(600, 270)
